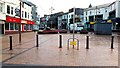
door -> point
(1, 28)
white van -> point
(77, 27)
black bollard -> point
(37, 41)
(10, 42)
(60, 36)
(87, 42)
(112, 40)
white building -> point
(2, 16)
(12, 21)
(102, 12)
(65, 21)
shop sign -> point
(12, 19)
(24, 21)
(17, 20)
(30, 22)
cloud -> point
(64, 5)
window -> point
(16, 26)
(11, 10)
(28, 15)
(25, 14)
(8, 9)
(22, 13)
(11, 26)
(90, 12)
(6, 26)
(86, 13)
(1, 7)
(106, 10)
(86, 18)
(22, 4)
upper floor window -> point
(28, 15)
(86, 18)
(8, 9)
(106, 10)
(11, 10)
(22, 4)
(25, 14)
(22, 13)
(1, 7)
(86, 13)
(90, 12)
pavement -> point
(49, 54)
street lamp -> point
(20, 25)
(51, 9)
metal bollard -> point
(87, 42)
(60, 36)
(10, 42)
(37, 41)
(112, 40)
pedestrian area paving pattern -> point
(48, 53)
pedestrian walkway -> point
(49, 53)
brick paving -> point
(49, 53)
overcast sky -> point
(43, 6)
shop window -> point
(8, 9)
(6, 26)
(11, 26)
(31, 27)
(16, 26)
(11, 10)
(25, 27)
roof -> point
(100, 6)
(28, 3)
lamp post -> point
(73, 25)
(20, 25)
(51, 9)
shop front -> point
(2, 22)
(12, 24)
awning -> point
(92, 23)
(17, 20)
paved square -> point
(49, 53)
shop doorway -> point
(1, 28)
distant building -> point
(53, 20)
(34, 15)
(44, 21)
(65, 21)
(109, 11)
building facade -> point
(10, 16)
(109, 11)
(34, 15)
(65, 21)
(2, 16)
